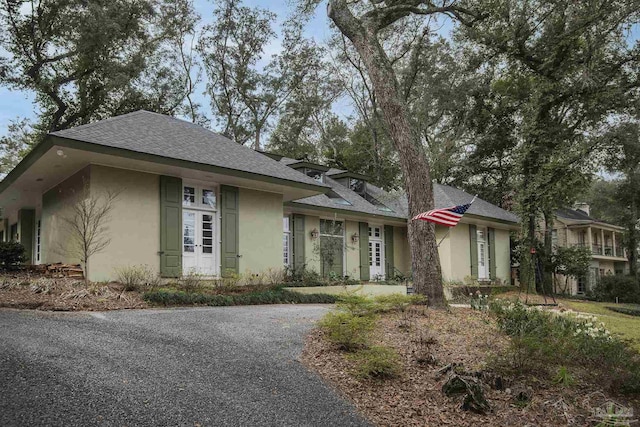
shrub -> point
(541, 340)
(11, 254)
(376, 363)
(347, 330)
(191, 281)
(137, 277)
(302, 276)
(396, 302)
(170, 297)
(625, 288)
(626, 310)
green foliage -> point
(571, 262)
(11, 255)
(542, 341)
(625, 288)
(376, 363)
(80, 74)
(137, 278)
(397, 302)
(245, 94)
(347, 330)
(171, 297)
(626, 310)
(303, 276)
(563, 377)
(192, 281)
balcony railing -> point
(608, 250)
(596, 249)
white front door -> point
(198, 250)
(483, 264)
(376, 252)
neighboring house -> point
(574, 227)
(192, 200)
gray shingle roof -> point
(157, 134)
(575, 214)
(444, 197)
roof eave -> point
(55, 140)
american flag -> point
(449, 217)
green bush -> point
(170, 297)
(625, 288)
(626, 310)
(11, 254)
(376, 363)
(396, 302)
(347, 330)
(542, 341)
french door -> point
(198, 235)
(376, 252)
(483, 264)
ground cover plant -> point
(422, 367)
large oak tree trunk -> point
(425, 262)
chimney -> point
(584, 207)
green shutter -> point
(170, 226)
(27, 226)
(473, 246)
(230, 229)
(388, 252)
(298, 242)
(492, 253)
(364, 251)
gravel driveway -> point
(190, 367)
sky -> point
(20, 104)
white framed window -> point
(199, 196)
(38, 241)
(286, 241)
(483, 265)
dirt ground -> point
(64, 294)
(415, 398)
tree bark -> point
(425, 262)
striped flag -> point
(448, 217)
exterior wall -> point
(57, 246)
(134, 224)
(260, 231)
(444, 252)
(312, 258)
(352, 256)
(401, 252)
(460, 254)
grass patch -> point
(625, 326)
(172, 297)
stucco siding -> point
(444, 252)
(401, 253)
(460, 254)
(134, 222)
(260, 231)
(57, 244)
(352, 257)
(311, 255)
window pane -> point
(315, 174)
(189, 196)
(209, 198)
(207, 249)
(285, 223)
